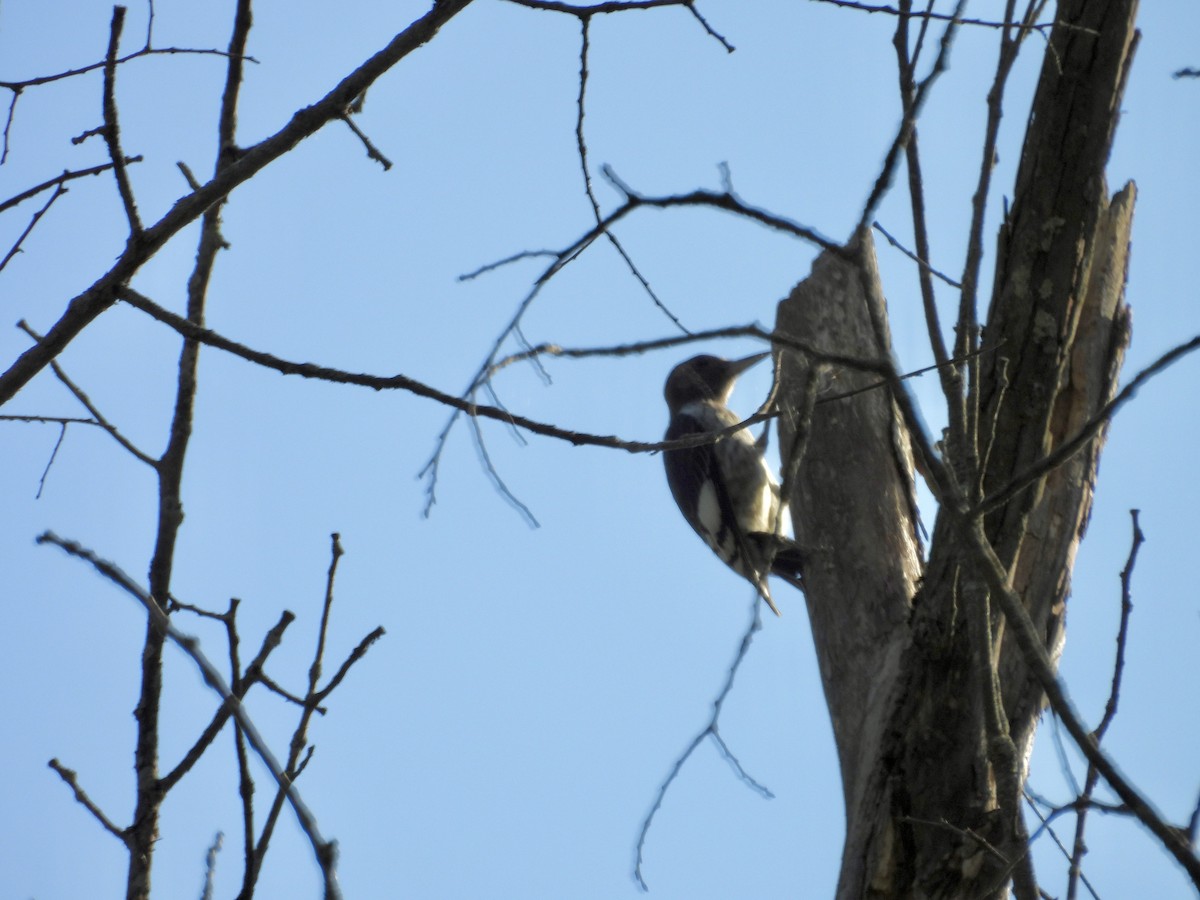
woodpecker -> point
(726, 490)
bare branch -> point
(724, 200)
(53, 455)
(1062, 848)
(1110, 710)
(49, 420)
(712, 32)
(709, 730)
(909, 121)
(16, 247)
(494, 476)
(372, 151)
(355, 655)
(226, 617)
(614, 6)
(87, 404)
(1087, 432)
(936, 16)
(243, 683)
(583, 12)
(297, 758)
(8, 121)
(335, 554)
(633, 200)
(967, 326)
(923, 263)
(967, 833)
(516, 257)
(326, 851)
(581, 148)
(210, 863)
(403, 382)
(112, 128)
(307, 121)
(18, 86)
(951, 381)
(275, 688)
(1025, 633)
(70, 777)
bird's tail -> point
(787, 562)
(765, 592)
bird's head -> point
(705, 378)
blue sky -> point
(507, 736)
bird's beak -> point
(738, 366)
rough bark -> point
(862, 558)
(931, 787)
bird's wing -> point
(696, 482)
(699, 489)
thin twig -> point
(1034, 652)
(612, 6)
(1079, 847)
(72, 780)
(275, 688)
(924, 264)
(1086, 433)
(8, 121)
(709, 730)
(85, 307)
(70, 175)
(966, 328)
(1062, 848)
(18, 86)
(712, 32)
(243, 683)
(87, 404)
(938, 16)
(497, 480)
(149, 23)
(324, 850)
(49, 420)
(210, 866)
(355, 655)
(240, 683)
(335, 554)
(403, 382)
(373, 152)
(725, 200)
(37, 216)
(950, 378)
(112, 128)
(884, 181)
(516, 257)
(203, 613)
(965, 833)
(297, 758)
(1056, 810)
(581, 150)
(62, 433)
(1110, 708)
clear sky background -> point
(508, 735)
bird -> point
(725, 489)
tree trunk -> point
(932, 792)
